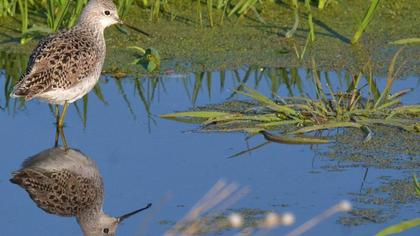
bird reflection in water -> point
(66, 182)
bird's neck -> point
(96, 32)
(90, 19)
(95, 28)
(88, 219)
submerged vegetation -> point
(301, 114)
(405, 225)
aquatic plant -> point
(64, 13)
(405, 225)
(124, 6)
(58, 14)
(310, 22)
(13, 66)
(294, 116)
(416, 185)
(7, 8)
(322, 4)
(366, 20)
(149, 58)
(400, 227)
(406, 41)
(23, 7)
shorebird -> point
(67, 183)
(65, 66)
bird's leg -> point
(57, 119)
(57, 113)
(63, 114)
(64, 140)
(57, 131)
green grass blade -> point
(416, 185)
(140, 92)
(366, 20)
(98, 92)
(400, 227)
(390, 80)
(292, 31)
(268, 102)
(248, 150)
(406, 41)
(210, 11)
(85, 109)
(195, 114)
(60, 17)
(293, 140)
(310, 21)
(330, 125)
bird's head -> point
(101, 13)
(104, 225)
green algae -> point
(390, 149)
(381, 203)
(246, 40)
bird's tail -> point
(17, 178)
(18, 93)
(28, 179)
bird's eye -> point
(106, 230)
(107, 13)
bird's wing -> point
(59, 61)
(60, 192)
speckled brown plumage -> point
(60, 192)
(62, 182)
(60, 61)
(66, 182)
(66, 65)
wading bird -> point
(65, 66)
(67, 183)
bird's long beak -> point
(126, 216)
(138, 30)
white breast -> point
(77, 91)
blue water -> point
(154, 160)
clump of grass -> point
(7, 8)
(295, 116)
(124, 6)
(64, 13)
(58, 14)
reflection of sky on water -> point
(139, 166)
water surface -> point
(147, 159)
